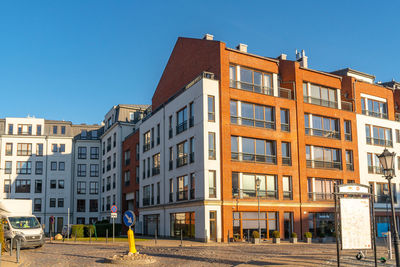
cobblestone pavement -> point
(169, 253)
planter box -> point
(293, 240)
(256, 240)
(276, 240)
(308, 240)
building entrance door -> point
(213, 226)
(288, 224)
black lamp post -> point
(258, 181)
(387, 161)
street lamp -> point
(258, 181)
(387, 161)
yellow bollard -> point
(131, 241)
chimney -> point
(302, 59)
(242, 48)
(282, 57)
(208, 36)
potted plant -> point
(256, 237)
(293, 238)
(322, 237)
(276, 237)
(308, 237)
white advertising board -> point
(356, 223)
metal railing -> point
(285, 127)
(322, 133)
(171, 164)
(319, 196)
(191, 157)
(240, 156)
(375, 169)
(320, 102)
(182, 195)
(287, 195)
(285, 93)
(146, 147)
(181, 127)
(252, 122)
(379, 142)
(375, 114)
(181, 161)
(286, 161)
(191, 121)
(347, 137)
(155, 170)
(318, 164)
(350, 166)
(251, 87)
(348, 106)
(250, 193)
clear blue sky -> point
(74, 60)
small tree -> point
(293, 235)
(276, 234)
(256, 234)
(308, 235)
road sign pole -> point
(113, 229)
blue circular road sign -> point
(129, 218)
(113, 208)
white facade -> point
(157, 207)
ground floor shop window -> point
(182, 222)
(245, 223)
(321, 224)
(151, 224)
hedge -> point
(77, 230)
(101, 229)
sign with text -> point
(114, 215)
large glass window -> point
(374, 108)
(321, 188)
(181, 120)
(256, 150)
(252, 115)
(285, 120)
(211, 108)
(212, 184)
(182, 224)
(24, 167)
(211, 146)
(324, 157)
(182, 188)
(251, 80)
(182, 154)
(322, 96)
(24, 149)
(322, 126)
(286, 154)
(379, 136)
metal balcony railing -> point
(287, 161)
(256, 88)
(320, 102)
(375, 169)
(155, 170)
(319, 196)
(379, 142)
(182, 195)
(252, 122)
(348, 106)
(375, 114)
(322, 133)
(350, 166)
(285, 127)
(182, 160)
(181, 127)
(252, 193)
(287, 195)
(270, 159)
(318, 164)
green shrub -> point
(87, 229)
(102, 227)
(293, 235)
(77, 230)
(276, 234)
(321, 235)
(308, 235)
(255, 234)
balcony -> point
(171, 164)
(379, 142)
(375, 169)
(191, 121)
(287, 161)
(155, 170)
(319, 196)
(251, 87)
(181, 161)
(319, 164)
(252, 123)
(146, 147)
(191, 157)
(348, 106)
(375, 114)
(146, 201)
(181, 127)
(239, 156)
(322, 133)
(182, 195)
(170, 133)
(287, 195)
(252, 193)
(320, 102)
(347, 137)
(350, 166)
(285, 127)
(285, 93)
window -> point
(374, 108)
(382, 192)
(374, 166)
(252, 115)
(324, 157)
(53, 166)
(60, 203)
(191, 156)
(114, 180)
(127, 156)
(94, 134)
(61, 166)
(268, 186)
(146, 195)
(253, 150)
(7, 186)
(55, 129)
(38, 129)
(94, 170)
(93, 205)
(9, 148)
(81, 152)
(83, 134)
(322, 96)
(349, 160)
(52, 202)
(22, 186)
(146, 141)
(25, 129)
(37, 206)
(137, 174)
(39, 149)
(170, 127)
(60, 184)
(115, 140)
(108, 143)
(152, 137)
(286, 154)
(397, 136)
(287, 187)
(10, 128)
(191, 115)
(181, 120)
(182, 154)
(285, 120)
(127, 177)
(62, 148)
(54, 148)
(171, 158)
(94, 188)
(81, 170)
(38, 186)
(53, 184)
(24, 149)
(211, 108)
(321, 189)
(321, 126)
(379, 136)
(158, 134)
(137, 151)
(211, 146)
(251, 80)
(8, 167)
(212, 186)
(182, 188)
(39, 167)
(81, 188)
(24, 167)
(80, 205)
(347, 130)
(158, 193)
(171, 190)
(192, 186)
(108, 163)
(156, 164)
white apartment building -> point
(119, 122)
(36, 162)
(180, 165)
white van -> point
(19, 223)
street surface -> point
(169, 253)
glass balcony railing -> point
(252, 193)
(375, 114)
(319, 164)
(269, 159)
(252, 122)
(379, 142)
(322, 133)
(320, 196)
(320, 102)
